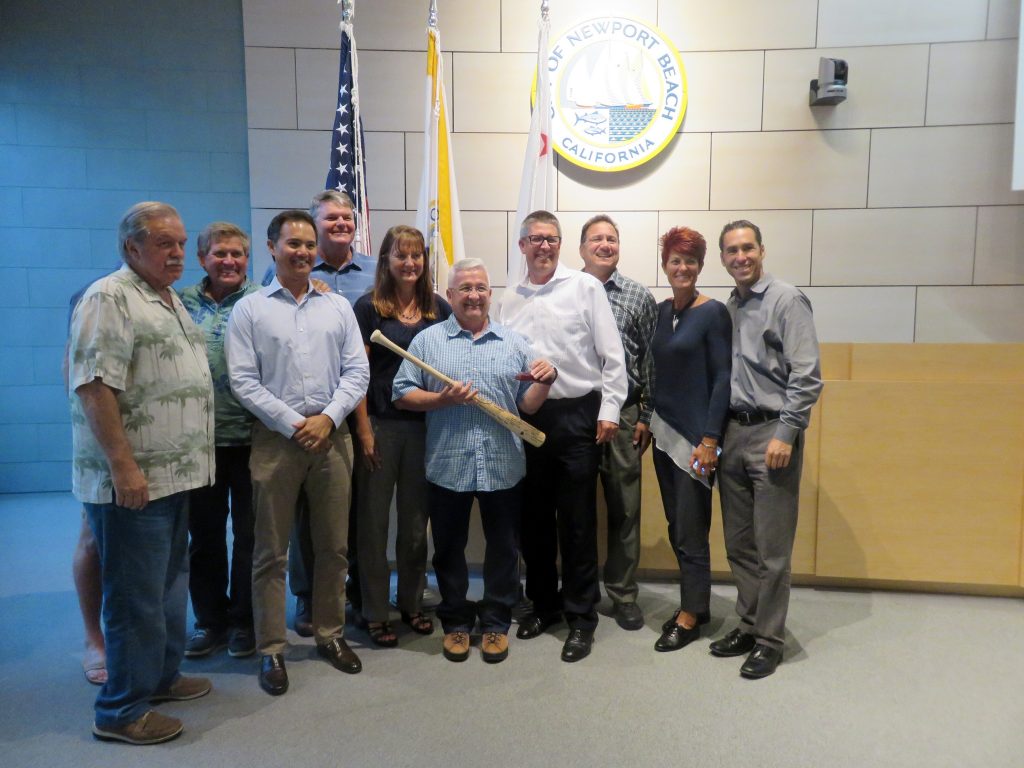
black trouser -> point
(560, 511)
(208, 583)
(688, 511)
(449, 525)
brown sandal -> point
(419, 622)
(382, 634)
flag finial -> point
(545, 8)
(348, 9)
(432, 15)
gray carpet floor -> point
(869, 679)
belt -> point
(748, 418)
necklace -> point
(687, 305)
(677, 314)
(410, 316)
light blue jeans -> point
(144, 555)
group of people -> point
(269, 406)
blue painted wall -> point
(102, 104)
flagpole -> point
(435, 231)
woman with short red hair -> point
(691, 351)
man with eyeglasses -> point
(636, 314)
(566, 317)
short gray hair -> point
(330, 196)
(465, 265)
(134, 223)
(539, 217)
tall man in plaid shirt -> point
(635, 313)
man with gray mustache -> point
(142, 425)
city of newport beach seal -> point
(618, 93)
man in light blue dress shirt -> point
(350, 274)
(296, 360)
(471, 456)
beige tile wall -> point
(893, 210)
(969, 82)
(884, 22)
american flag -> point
(347, 171)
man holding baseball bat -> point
(565, 316)
(470, 454)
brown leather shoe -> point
(341, 656)
(456, 646)
(183, 689)
(151, 728)
(494, 647)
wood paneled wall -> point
(913, 471)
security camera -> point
(830, 87)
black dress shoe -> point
(629, 616)
(736, 643)
(533, 625)
(761, 662)
(273, 676)
(676, 637)
(577, 645)
(702, 619)
(303, 617)
(340, 655)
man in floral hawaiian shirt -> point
(142, 423)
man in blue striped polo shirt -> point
(471, 456)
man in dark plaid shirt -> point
(635, 314)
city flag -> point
(347, 171)
(537, 188)
(437, 214)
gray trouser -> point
(759, 513)
(280, 469)
(402, 446)
(620, 478)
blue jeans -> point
(144, 556)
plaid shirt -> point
(466, 449)
(636, 314)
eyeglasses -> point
(465, 290)
(549, 239)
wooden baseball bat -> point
(509, 420)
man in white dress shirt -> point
(296, 361)
(567, 319)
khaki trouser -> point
(280, 469)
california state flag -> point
(537, 189)
(437, 215)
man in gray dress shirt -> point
(776, 379)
